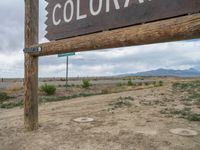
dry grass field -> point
(127, 115)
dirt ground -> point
(137, 124)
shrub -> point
(59, 85)
(86, 83)
(62, 79)
(194, 117)
(185, 113)
(122, 102)
(48, 89)
(160, 83)
(11, 105)
(105, 91)
(62, 98)
(128, 98)
(154, 83)
(119, 84)
(186, 85)
(3, 96)
(73, 85)
(130, 83)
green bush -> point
(154, 83)
(86, 83)
(48, 89)
(186, 86)
(160, 83)
(11, 105)
(119, 84)
(62, 98)
(3, 96)
(122, 102)
(194, 117)
(130, 83)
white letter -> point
(116, 3)
(53, 17)
(65, 10)
(92, 11)
(126, 3)
(141, 1)
(107, 5)
(78, 12)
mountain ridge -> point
(168, 72)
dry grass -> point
(15, 87)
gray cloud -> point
(11, 27)
(176, 55)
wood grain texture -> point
(31, 66)
(135, 13)
(182, 28)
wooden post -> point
(31, 66)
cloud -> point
(11, 65)
(174, 55)
(11, 28)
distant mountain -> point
(169, 72)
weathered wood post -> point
(31, 66)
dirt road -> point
(138, 126)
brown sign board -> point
(70, 18)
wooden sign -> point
(165, 21)
(68, 18)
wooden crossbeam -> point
(175, 29)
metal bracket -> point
(32, 50)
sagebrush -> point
(48, 89)
(86, 83)
(3, 96)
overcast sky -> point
(175, 55)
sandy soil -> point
(138, 127)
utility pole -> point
(31, 66)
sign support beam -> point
(175, 29)
(31, 66)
